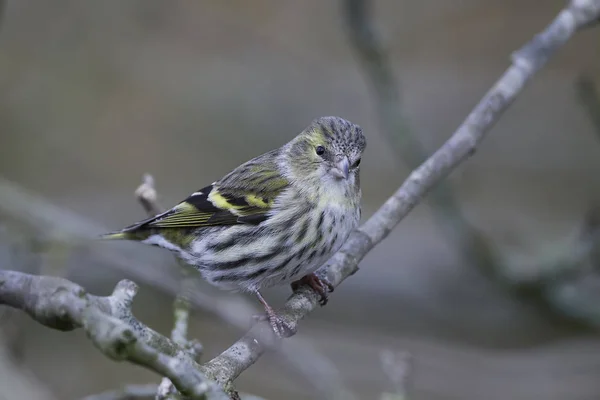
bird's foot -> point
(320, 285)
(281, 327)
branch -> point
(378, 70)
(181, 312)
(377, 67)
(60, 304)
(148, 198)
(546, 290)
(564, 284)
(463, 143)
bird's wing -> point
(245, 196)
(213, 206)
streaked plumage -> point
(272, 220)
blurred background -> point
(492, 286)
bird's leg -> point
(280, 327)
(320, 285)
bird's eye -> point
(356, 163)
(320, 150)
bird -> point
(273, 220)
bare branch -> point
(181, 312)
(378, 70)
(545, 289)
(147, 196)
(463, 143)
(376, 65)
(60, 304)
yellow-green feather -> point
(115, 236)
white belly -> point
(336, 228)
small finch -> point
(273, 220)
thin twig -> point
(181, 313)
(463, 143)
(147, 196)
(376, 65)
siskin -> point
(273, 220)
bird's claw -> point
(319, 284)
(280, 327)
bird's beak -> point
(341, 168)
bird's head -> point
(327, 152)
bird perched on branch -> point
(273, 220)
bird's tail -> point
(119, 235)
(137, 231)
(133, 232)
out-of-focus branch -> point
(589, 98)
(378, 70)
(398, 368)
(377, 67)
(463, 143)
(472, 243)
(566, 281)
(60, 304)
